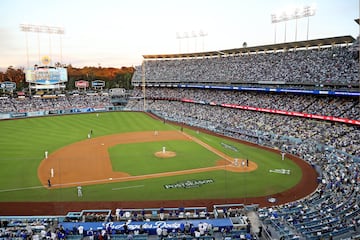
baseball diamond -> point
(94, 164)
(246, 136)
(82, 151)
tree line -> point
(113, 77)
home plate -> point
(110, 178)
(102, 144)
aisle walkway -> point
(255, 222)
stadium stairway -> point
(255, 222)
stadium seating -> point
(333, 148)
(323, 66)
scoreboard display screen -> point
(46, 75)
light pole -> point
(42, 29)
(296, 16)
(284, 18)
(202, 35)
(186, 35)
(179, 37)
(143, 84)
(274, 19)
(194, 35)
(297, 13)
(308, 12)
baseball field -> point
(131, 159)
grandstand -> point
(299, 97)
(236, 93)
(270, 65)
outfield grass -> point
(23, 142)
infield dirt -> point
(306, 186)
(68, 161)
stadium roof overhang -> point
(263, 48)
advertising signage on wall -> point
(279, 90)
(298, 114)
(8, 86)
(81, 84)
(98, 83)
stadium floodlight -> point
(180, 37)
(192, 34)
(308, 12)
(274, 19)
(42, 29)
(284, 18)
(294, 14)
(202, 34)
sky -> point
(116, 33)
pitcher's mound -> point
(166, 154)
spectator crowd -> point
(333, 148)
(9, 104)
(327, 65)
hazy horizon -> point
(116, 33)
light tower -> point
(193, 35)
(308, 12)
(179, 37)
(295, 13)
(202, 34)
(41, 29)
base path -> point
(88, 162)
(68, 165)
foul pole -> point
(143, 84)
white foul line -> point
(18, 189)
(136, 186)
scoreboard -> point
(46, 75)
